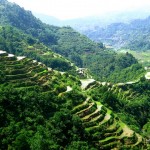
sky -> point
(70, 9)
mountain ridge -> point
(133, 35)
(65, 41)
(81, 24)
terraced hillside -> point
(23, 72)
(106, 129)
(30, 95)
(32, 100)
(130, 101)
(23, 44)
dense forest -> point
(32, 107)
(63, 40)
(133, 35)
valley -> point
(63, 90)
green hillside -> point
(41, 108)
(129, 100)
(101, 63)
(49, 96)
(16, 42)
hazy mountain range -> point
(127, 29)
(99, 20)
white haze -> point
(70, 9)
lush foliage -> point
(129, 101)
(35, 107)
(16, 42)
(117, 68)
(29, 116)
(44, 109)
(29, 32)
(41, 108)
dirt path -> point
(147, 76)
(68, 89)
(86, 82)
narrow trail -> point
(147, 76)
(69, 89)
(86, 82)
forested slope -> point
(102, 64)
(19, 43)
(41, 108)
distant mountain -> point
(49, 19)
(119, 29)
(102, 20)
(134, 35)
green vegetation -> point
(19, 43)
(129, 101)
(143, 57)
(134, 72)
(26, 35)
(123, 64)
(38, 112)
(43, 108)
(34, 107)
